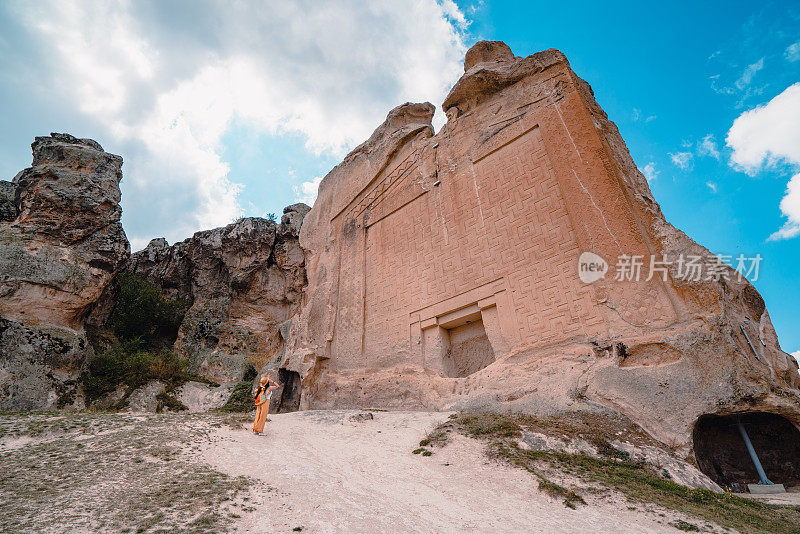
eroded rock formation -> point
(61, 243)
(242, 281)
(443, 270)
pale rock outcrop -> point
(241, 281)
(61, 242)
(201, 397)
(443, 272)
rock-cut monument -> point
(515, 261)
(443, 273)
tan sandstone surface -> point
(443, 274)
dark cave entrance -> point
(722, 454)
(290, 396)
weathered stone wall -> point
(415, 235)
(61, 242)
(241, 281)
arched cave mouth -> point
(722, 454)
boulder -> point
(201, 397)
(144, 398)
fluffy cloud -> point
(307, 191)
(166, 82)
(796, 355)
(766, 137)
(682, 160)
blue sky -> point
(222, 111)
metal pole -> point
(761, 474)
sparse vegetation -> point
(638, 481)
(113, 473)
(130, 365)
(165, 400)
(241, 399)
(685, 526)
(137, 349)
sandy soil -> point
(326, 473)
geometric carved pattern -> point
(374, 193)
(503, 218)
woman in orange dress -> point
(262, 398)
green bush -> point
(142, 313)
(130, 364)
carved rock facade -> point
(443, 270)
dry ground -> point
(334, 474)
(326, 471)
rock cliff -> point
(61, 243)
(443, 272)
(242, 281)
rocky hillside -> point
(242, 282)
(62, 253)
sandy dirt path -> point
(327, 474)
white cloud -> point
(766, 137)
(767, 134)
(796, 355)
(790, 207)
(792, 52)
(712, 186)
(167, 84)
(636, 115)
(748, 74)
(682, 160)
(307, 191)
(708, 147)
(650, 171)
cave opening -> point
(290, 395)
(722, 454)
